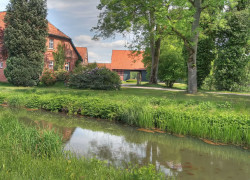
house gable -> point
(127, 60)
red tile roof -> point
(127, 60)
(51, 28)
(83, 51)
(55, 31)
(2, 25)
(106, 65)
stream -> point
(120, 145)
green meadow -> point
(220, 118)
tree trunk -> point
(192, 66)
(192, 74)
(138, 78)
(155, 65)
(152, 45)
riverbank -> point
(27, 153)
(122, 145)
(220, 118)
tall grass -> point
(27, 153)
(215, 120)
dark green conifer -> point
(25, 40)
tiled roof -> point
(2, 14)
(83, 51)
(51, 28)
(127, 60)
(54, 31)
(107, 65)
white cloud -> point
(93, 55)
(77, 8)
(84, 40)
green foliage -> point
(102, 79)
(59, 57)
(25, 38)
(204, 118)
(233, 52)
(48, 78)
(29, 153)
(78, 63)
(172, 64)
(133, 75)
(209, 82)
(62, 75)
(205, 56)
(21, 72)
(81, 68)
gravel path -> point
(176, 90)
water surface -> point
(121, 145)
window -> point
(51, 44)
(51, 64)
(67, 66)
(1, 65)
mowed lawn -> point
(239, 103)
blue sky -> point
(75, 18)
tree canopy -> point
(25, 38)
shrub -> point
(48, 78)
(100, 79)
(81, 68)
(62, 75)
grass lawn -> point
(221, 118)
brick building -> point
(124, 62)
(55, 37)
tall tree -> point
(140, 17)
(185, 23)
(25, 38)
(233, 49)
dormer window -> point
(51, 43)
(67, 66)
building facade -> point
(54, 38)
(124, 62)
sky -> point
(75, 18)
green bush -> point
(62, 75)
(98, 78)
(80, 68)
(48, 78)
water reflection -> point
(185, 158)
(64, 131)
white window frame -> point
(51, 43)
(1, 65)
(51, 65)
(67, 65)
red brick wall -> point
(72, 57)
(120, 72)
(2, 76)
(3, 56)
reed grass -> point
(219, 118)
(27, 153)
